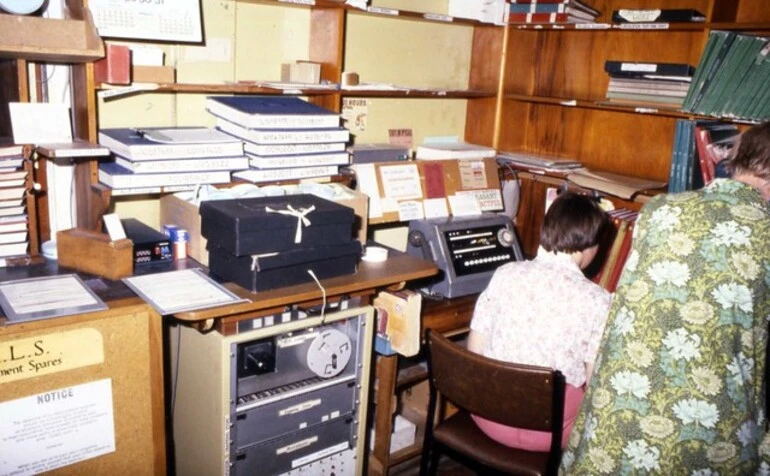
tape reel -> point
(329, 353)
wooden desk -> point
(450, 317)
(370, 277)
(119, 348)
(204, 378)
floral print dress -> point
(678, 387)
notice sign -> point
(58, 428)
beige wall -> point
(247, 41)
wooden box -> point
(95, 253)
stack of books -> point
(284, 137)
(538, 162)
(698, 152)
(655, 84)
(14, 236)
(731, 78)
(168, 160)
(549, 11)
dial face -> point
(329, 353)
(505, 237)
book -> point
(299, 160)
(275, 175)
(666, 15)
(143, 144)
(566, 7)
(13, 249)
(572, 17)
(115, 176)
(577, 3)
(287, 149)
(285, 136)
(11, 193)
(654, 84)
(616, 270)
(717, 47)
(16, 224)
(77, 148)
(11, 150)
(453, 150)
(398, 315)
(622, 186)
(544, 162)
(271, 112)
(655, 97)
(13, 237)
(630, 69)
(184, 165)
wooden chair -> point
(523, 396)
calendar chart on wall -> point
(162, 20)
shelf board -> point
(626, 27)
(607, 106)
(380, 12)
(239, 88)
(50, 40)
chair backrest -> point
(517, 395)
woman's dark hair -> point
(573, 223)
(752, 154)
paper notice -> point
(50, 430)
(435, 208)
(409, 210)
(401, 182)
(464, 205)
(473, 174)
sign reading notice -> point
(57, 428)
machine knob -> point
(505, 237)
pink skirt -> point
(534, 440)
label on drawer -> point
(50, 353)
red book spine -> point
(538, 17)
(706, 164)
(620, 261)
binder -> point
(665, 15)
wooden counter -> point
(119, 349)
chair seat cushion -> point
(460, 433)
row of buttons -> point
(488, 259)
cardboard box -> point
(307, 72)
(153, 74)
(175, 210)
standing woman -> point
(679, 385)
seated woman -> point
(545, 312)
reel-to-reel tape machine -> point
(295, 398)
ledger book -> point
(271, 112)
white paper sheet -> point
(180, 291)
(57, 428)
(43, 298)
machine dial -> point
(329, 353)
(505, 236)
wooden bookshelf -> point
(552, 92)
